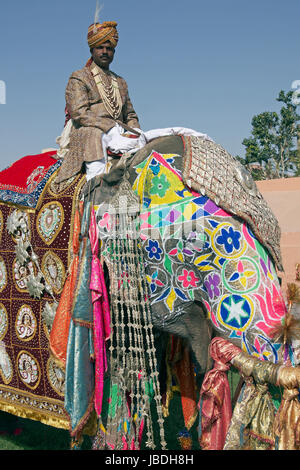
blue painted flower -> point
(154, 282)
(230, 239)
(154, 251)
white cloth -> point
(64, 139)
(154, 133)
(116, 141)
(94, 168)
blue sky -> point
(210, 66)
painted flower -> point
(260, 351)
(160, 185)
(230, 239)
(188, 279)
(242, 274)
(154, 251)
(211, 285)
(105, 222)
(154, 282)
(154, 167)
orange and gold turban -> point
(100, 33)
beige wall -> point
(283, 196)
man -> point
(96, 100)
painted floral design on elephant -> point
(196, 251)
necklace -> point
(108, 88)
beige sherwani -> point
(90, 120)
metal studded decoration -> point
(210, 170)
(35, 254)
(132, 353)
(18, 227)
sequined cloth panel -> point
(31, 383)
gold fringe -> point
(293, 293)
(56, 422)
(18, 206)
(79, 322)
(287, 331)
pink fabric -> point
(215, 397)
(101, 315)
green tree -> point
(272, 149)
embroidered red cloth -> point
(215, 398)
(25, 174)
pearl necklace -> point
(108, 88)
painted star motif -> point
(235, 311)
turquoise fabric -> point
(80, 374)
(82, 306)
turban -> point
(100, 33)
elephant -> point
(198, 257)
(205, 273)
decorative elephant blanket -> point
(36, 225)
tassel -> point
(289, 330)
(76, 443)
(287, 419)
(185, 440)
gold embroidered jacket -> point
(90, 119)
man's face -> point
(103, 55)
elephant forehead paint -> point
(195, 251)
